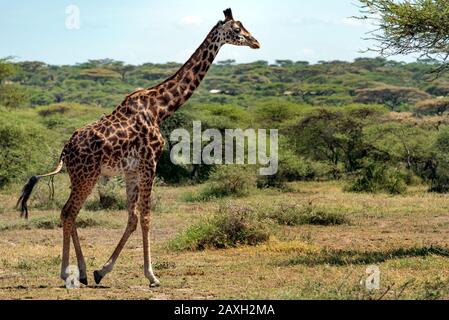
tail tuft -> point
(26, 192)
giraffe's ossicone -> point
(129, 141)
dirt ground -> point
(406, 237)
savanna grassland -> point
(363, 180)
(406, 236)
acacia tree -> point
(11, 95)
(410, 27)
(6, 68)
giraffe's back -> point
(113, 145)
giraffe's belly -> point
(108, 171)
(127, 164)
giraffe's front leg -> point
(145, 187)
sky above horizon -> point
(140, 31)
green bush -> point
(293, 215)
(229, 227)
(225, 181)
(440, 170)
(292, 168)
(25, 148)
(13, 96)
(432, 107)
(109, 196)
(377, 177)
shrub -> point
(334, 135)
(294, 168)
(293, 215)
(25, 149)
(236, 181)
(431, 107)
(376, 177)
(391, 96)
(51, 110)
(440, 163)
(229, 227)
(13, 96)
(109, 197)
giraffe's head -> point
(233, 32)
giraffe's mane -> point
(188, 60)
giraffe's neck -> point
(175, 91)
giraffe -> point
(129, 142)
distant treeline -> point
(379, 124)
(105, 82)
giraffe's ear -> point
(228, 14)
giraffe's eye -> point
(237, 30)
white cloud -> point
(191, 21)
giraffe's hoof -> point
(155, 284)
(84, 281)
(97, 277)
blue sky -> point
(139, 31)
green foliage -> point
(109, 196)
(271, 114)
(99, 74)
(323, 134)
(293, 167)
(226, 181)
(11, 94)
(282, 85)
(405, 27)
(218, 116)
(229, 227)
(391, 96)
(438, 89)
(378, 177)
(294, 215)
(7, 69)
(24, 148)
(440, 164)
(431, 107)
(334, 135)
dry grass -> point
(406, 236)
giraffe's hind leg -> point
(79, 256)
(132, 193)
(80, 191)
(146, 178)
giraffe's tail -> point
(28, 188)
